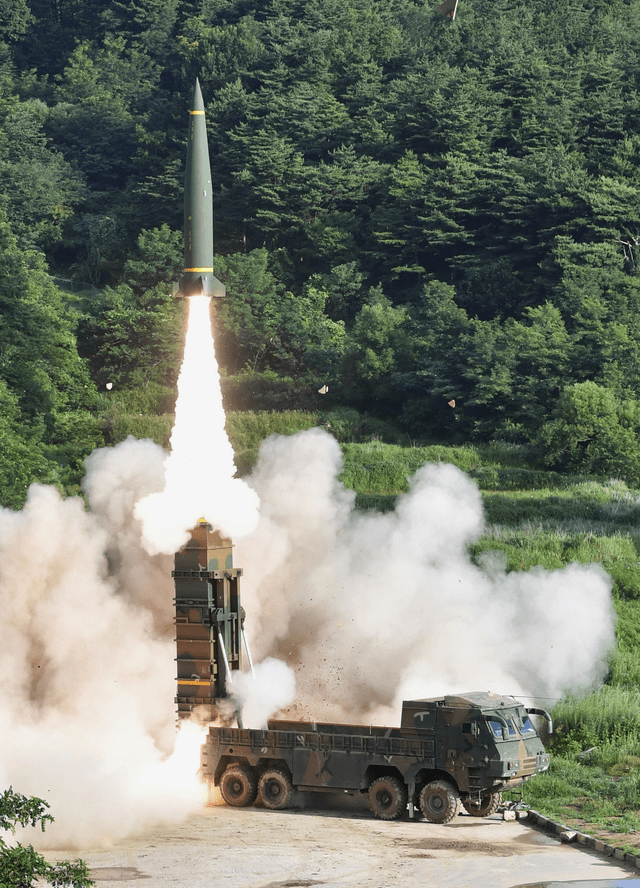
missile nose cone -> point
(197, 102)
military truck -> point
(448, 753)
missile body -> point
(198, 279)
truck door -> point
(458, 744)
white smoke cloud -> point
(270, 687)
(86, 710)
(371, 609)
(117, 478)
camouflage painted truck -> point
(448, 752)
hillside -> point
(409, 209)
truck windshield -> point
(526, 727)
(496, 727)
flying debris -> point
(451, 403)
(323, 390)
(449, 8)
(198, 279)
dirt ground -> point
(334, 841)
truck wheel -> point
(275, 789)
(487, 805)
(239, 786)
(388, 798)
(439, 801)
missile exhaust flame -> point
(199, 471)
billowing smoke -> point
(86, 707)
(270, 687)
(368, 609)
(371, 609)
(87, 712)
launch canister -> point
(198, 279)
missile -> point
(198, 279)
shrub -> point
(592, 431)
(23, 867)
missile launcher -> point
(209, 620)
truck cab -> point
(485, 742)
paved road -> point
(341, 845)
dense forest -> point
(410, 209)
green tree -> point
(502, 375)
(40, 364)
(600, 303)
(21, 866)
(374, 351)
(15, 18)
(131, 336)
(593, 432)
(22, 457)
(261, 326)
(39, 188)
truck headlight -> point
(513, 766)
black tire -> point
(488, 805)
(439, 801)
(275, 789)
(239, 786)
(388, 798)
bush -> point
(23, 867)
(247, 429)
(349, 426)
(378, 468)
(610, 715)
(148, 398)
(140, 425)
(592, 431)
(251, 390)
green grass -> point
(375, 468)
(140, 425)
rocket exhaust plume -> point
(199, 471)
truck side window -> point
(496, 728)
(470, 728)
